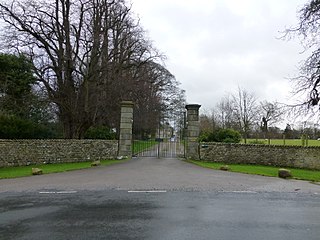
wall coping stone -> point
(257, 145)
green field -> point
(139, 145)
(301, 174)
(287, 142)
(14, 172)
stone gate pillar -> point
(125, 137)
(193, 131)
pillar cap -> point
(193, 106)
(126, 104)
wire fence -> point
(304, 141)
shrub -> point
(100, 132)
(12, 127)
(207, 137)
(228, 136)
(221, 135)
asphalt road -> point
(164, 215)
(153, 173)
(158, 199)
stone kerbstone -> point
(284, 173)
(36, 171)
(225, 168)
(95, 163)
(122, 157)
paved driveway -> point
(193, 203)
(153, 173)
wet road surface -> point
(164, 215)
(158, 199)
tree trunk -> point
(73, 126)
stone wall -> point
(27, 152)
(282, 156)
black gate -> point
(157, 136)
(159, 147)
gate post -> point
(125, 136)
(193, 131)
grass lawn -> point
(288, 142)
(140, 146)
(301, 174)
(14, 172)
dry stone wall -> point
(273, 155)
(29, 152)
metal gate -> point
(156, 136)
(159, 147)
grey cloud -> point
(213, 52)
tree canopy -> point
(89, 56)
(16, 80)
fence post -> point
(193, 131)
(303, 140)
(125, 136)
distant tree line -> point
(83, 58)
(242, 112)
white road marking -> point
(60, 192)
(148, 191)
(239, 192)
(66, 192)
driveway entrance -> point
(160, 148)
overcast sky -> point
(214, 46)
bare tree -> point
(158, 99)
(89, 55)
(209, 121)
(245, 110)
(308, 82)
(225, 112)
(271, 113)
